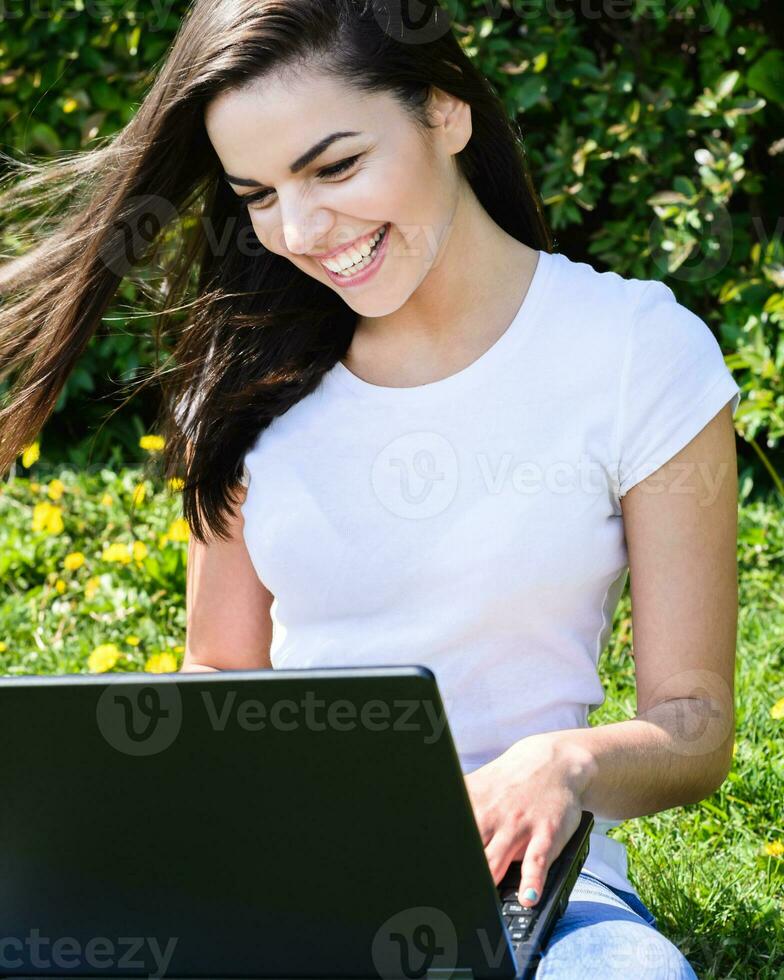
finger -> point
(483, 825)
(500, 852)
(539, 855)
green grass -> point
(700, 868)
(113, 596)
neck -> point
(474, 286)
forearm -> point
(677, 752)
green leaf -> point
(684, 186)
(43, 137)
(767, 76)
(528, 92)
(106, 96)
(723, 20)
(727, 83)
(133, 40)
(668, 197)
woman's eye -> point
(333, 171)
(338, 168)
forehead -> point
(273, 120)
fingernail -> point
(530, 894)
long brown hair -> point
(257, 334)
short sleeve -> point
(673, 382)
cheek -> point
(383, 191)
(415, 200)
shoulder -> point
(590, 282)
(601, 302)
(619, 315)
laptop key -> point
(513, 908)
(520, 922)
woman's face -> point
(384, 177)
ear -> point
(452, 117)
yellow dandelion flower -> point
(774, 848)
(40, 512)
(176, 484)
(31, 454)
(139, 551)
(132, 641)
(47, 517)
(70, 105)
(35, 487)
(106, 500)
(73, 560)
(60, 586)
(777, 711)
(179, 530)
(103, 658)
(152, 444)
(3, 647)
(178, 649)
(91, 586)
(161, 663)
(163, 540)
(117, 552)
(55, 489)
(138, 494)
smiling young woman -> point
(405, 424)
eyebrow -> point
(300, 163)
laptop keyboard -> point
(518, 919)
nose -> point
(301, 230)
(296, 239)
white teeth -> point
(354, 258)
(356, 268)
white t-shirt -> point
(472, 525)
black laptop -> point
(285, 824)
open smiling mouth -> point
(358, 267)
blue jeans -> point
(609, 934)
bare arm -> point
(229, 626)
(681, 526)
